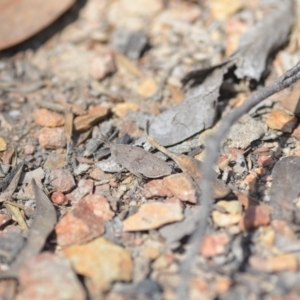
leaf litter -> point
(196, 113)
(138, 161)
(192, 168)
(42, 225)
(149, 224)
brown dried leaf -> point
(17, 215)
(138, 161)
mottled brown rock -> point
(101, 261)
(52, 138)
(62, 180)
(49, 276)
(74, 229)
(99, 205)
(94, 116)
(59, 198)
(282, 121)
(214, 244)
(84, 222)
(153, 215)
(181, 187)
(156, 188)
(47, 118)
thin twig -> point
(212, 151)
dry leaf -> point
(194, 114)
(138, 161)
(17, 215)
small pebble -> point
(59, 198)
(52, 138)
(29, 149)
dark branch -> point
(212, 152)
